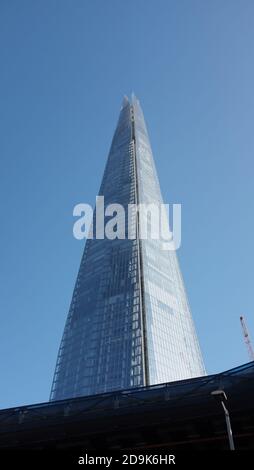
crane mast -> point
(247, 339)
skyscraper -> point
(129, 322)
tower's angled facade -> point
(129, 322)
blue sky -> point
(65, 66)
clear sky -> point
(65, 66)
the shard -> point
(129, 322)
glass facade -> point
(129, 322)
(173, 351)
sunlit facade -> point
(129, 322)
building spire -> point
(125, 101)
(133, 97)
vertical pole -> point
(229, 428)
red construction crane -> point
(247, 339)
